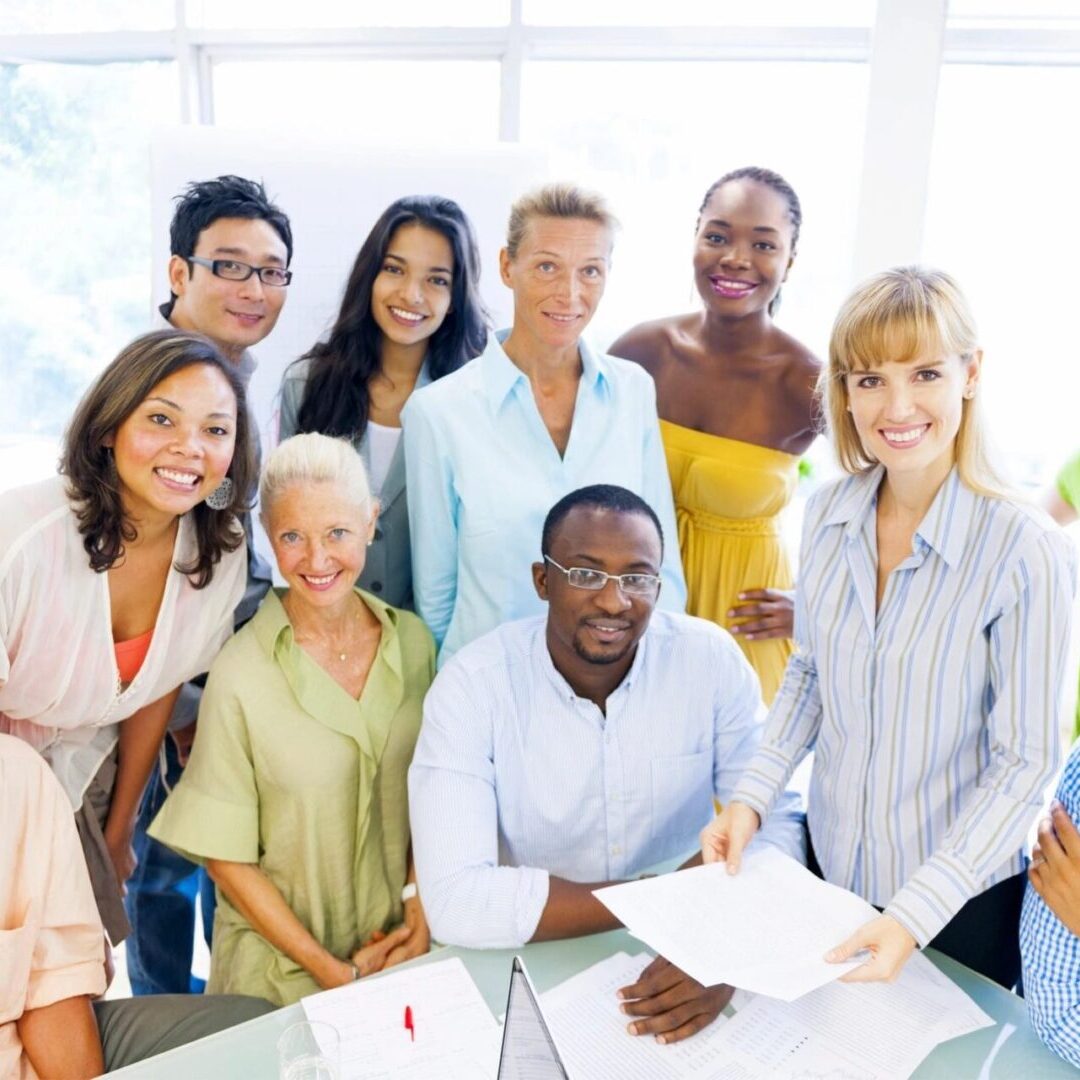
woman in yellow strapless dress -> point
(735, 396)
(728, 498)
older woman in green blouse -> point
(295, 795)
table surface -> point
(248, 1050)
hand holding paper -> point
(766, 929)
(888, 944)
(726, 836)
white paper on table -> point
(590, 1031)
(853, 1031)
(765, 929)
(457, 1038)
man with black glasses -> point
(576, 749)
(228, 276)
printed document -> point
(456, 1037)
(765, 929)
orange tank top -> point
(130, 655)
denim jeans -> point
(160, 901)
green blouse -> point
(291, 773)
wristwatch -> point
(409, 892)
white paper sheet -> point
(852, 1031)
(766, 929)
(457, 1038)
(590, 1031)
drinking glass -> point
(309, 1050)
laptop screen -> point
(528, 1050)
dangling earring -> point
(221, 497)
(969, 393)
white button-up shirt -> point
(59, 684)
(515, 777)
(934, 717)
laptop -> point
(528, 1048)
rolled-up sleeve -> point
(1029, 643)
(468, 898)
(213, 812)
(54, 948)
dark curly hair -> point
(336, 398)
(93, 485)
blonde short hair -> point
(312, 458)
(561, 200)
(899, 315)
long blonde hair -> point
(899, 315)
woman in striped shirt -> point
(932, 623)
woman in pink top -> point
(136, 539)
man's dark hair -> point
(203, 202)
(597, 497)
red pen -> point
(409, 1023)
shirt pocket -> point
(16, 953)
(681, 795)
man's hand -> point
(674, 1005)
(1055, 867)
(769, 613)
(729, 832)
(889, 945)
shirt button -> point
(616, 850)
(376, 586)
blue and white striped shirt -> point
(934, 719)
(515, 777)
(1051, 951)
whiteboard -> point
(333, 193)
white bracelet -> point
(409, 892)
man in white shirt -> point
(568, 751)
(228, 276)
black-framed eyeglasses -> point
(583, 577)
(231, 270)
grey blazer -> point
(388, 570)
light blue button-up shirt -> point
(483, 472)
(515, 777)
(935, 717)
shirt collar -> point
(274, 632)
(501, 375)
(948, 521)
(944, 528)
(562, 687)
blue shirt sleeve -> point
(1051, 952)
(469, 899)
(432, 518)
(656, 491)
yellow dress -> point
(728, 497)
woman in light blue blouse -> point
(490, 448)
(932, 624)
